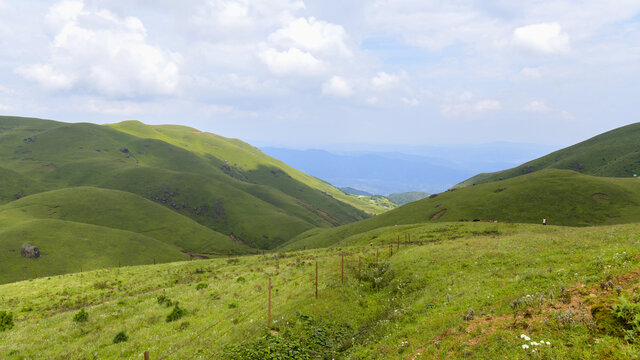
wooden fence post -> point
(146, 355)
(390, 250)
(154, 261)
(377, 255)
(359, 265)
(269, 311)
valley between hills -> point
(184, 244)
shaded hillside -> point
(615, 153)
(237, 191)
(563, 197)
(407, 197)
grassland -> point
(195, 192)
(611, 154)
(563, 197)
(451, 297)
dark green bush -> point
(6, 320)
(202, 286)
(81, 316)
(120, 337)
(164, 300)
(176, 313)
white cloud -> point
(537, 106)
(372, 100)
(312, 35)
(5, 90)
(383, 81)
(531, 73)
(468, 109)
(410, 101)
(337, 86)
(104, 54)
(47, 76)
(544, 38)
(291, 62)
(4, 107)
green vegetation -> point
(612, 154)
(81, 316)
(407, 197)
(471, 290)
(563, 197)
(137, 194)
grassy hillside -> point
(563, 197)
(249, 163)
(615, 153)
(123, 211)
(470, 291)
(225, 184)
(67, 247)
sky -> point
(316, 74)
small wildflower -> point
(525, 346)
(525, 337)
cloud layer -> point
(287, 72)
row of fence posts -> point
(406, 242)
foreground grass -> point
(408, 306)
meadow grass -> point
(411, 305)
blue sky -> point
(313, 74)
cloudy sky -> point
(317, 73)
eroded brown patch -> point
(439, 214)
(599, 196)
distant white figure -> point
(544, 221)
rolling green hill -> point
(563, 197)
(223, 184)
(615, 153)
(89, 228)
(192, 192)
(246, 162)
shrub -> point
(6, 320)
(164, 300)
(120, 337)
(233, 305)
(81, 316)
(176, 313)
(202, 286)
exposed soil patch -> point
(599, 196)
(574, 301)
(438, 215)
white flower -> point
(525, 337)
(525, 346)
(533, 343)
(548, 343)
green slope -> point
(247, 162)
(563, 197)
(253, 201)
(451, 298)
(123, 211)
(615, 153)
(67, 247)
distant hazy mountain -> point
(424, 169)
